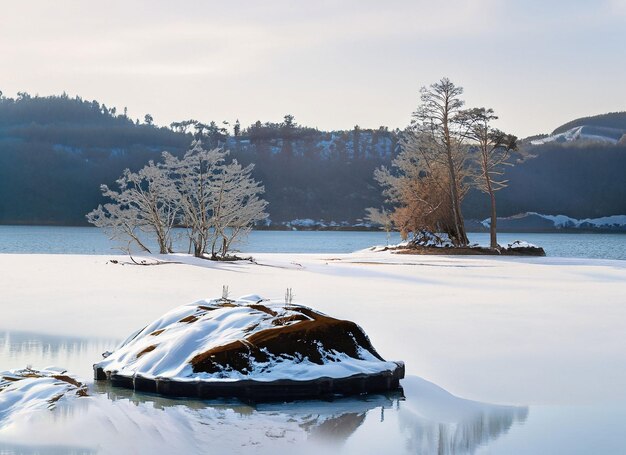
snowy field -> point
(544, 336)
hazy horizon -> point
(330, 65)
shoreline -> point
(281, 228)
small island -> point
(250, 348)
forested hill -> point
(56, 151)
(616, 120)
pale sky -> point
(332, 64)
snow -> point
(173, 343)
(520, 244)
(564, 221)
(430, 239)
(580, 133)
(305, 223)
(462, 322)
(558, 220)
(615, 220)
(532, 331)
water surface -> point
(87, 240)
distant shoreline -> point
(471, 228)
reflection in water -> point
(427, 420)
(12, 449)
(76, 354)
(437, 422)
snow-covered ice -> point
(508, 330)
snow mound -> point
(23, 391)
(250, 339)
(518, 244)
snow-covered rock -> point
(520, 244)
(430, 239)
(250, 340)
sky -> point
(331, 64)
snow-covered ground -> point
(514, 331)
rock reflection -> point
(324, 422)
(437, 422)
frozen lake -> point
(426, 420)
(86, 240)
(536, 343)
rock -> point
(521, 248)
(253, 349)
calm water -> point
(85, 240)
(426, 420)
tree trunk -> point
(492, 226)
(461, 236)
(493, 240)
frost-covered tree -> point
(219, 202)
(495, 149)
(193, 178)
(147, 202)
(236, 206)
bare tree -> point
(419, 192)
(437, 135)
(146, 202)
(495, 149)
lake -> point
(87, 240)
(425, 419)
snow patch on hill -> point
(564, 221)
(583, 134)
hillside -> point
(616, 120)
(600, 129)
(56, 151)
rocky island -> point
(250, 348)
